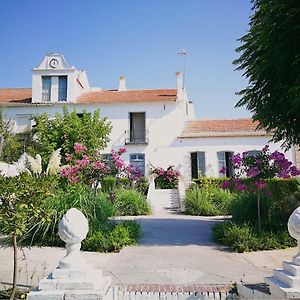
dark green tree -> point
(10, 146)
(270, 59)
(66, 129)
(22, 209)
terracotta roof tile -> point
(108, 96)
(231, 127)
(21, 95)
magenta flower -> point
(241, 187)
(260, 185)
(294, 171)
(119, 164)
(223, 170)
(74, 179)
(226, 184)
(68, 157)
(99, 165)
(64, 172)
(236, 160)
(122, 150)
(79, 148)
(265, 148)
(253, 172)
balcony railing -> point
(136, 137)
(46, 95)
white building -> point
(157, 127)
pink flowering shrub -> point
(166, 179)
(265, 165)
(92, 169)
(258, 169)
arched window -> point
(224, 160)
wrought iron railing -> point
(136, 137)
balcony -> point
(136, 137)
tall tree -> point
(270, 59)
(66, 129)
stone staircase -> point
(164, 201)
(285, 283)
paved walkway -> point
(175, 249)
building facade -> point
(157, 127)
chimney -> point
(122, 83)
(179, 85)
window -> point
(62, 88)
(46, 88)
(138, 160)
(137, 128)
(106, 156)
(198, 164)
(23, 122)
(252, 153)
(224, 160)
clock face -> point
(53, 63)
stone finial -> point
(74, 278)
(72, 229)
(294, 231)
(285, 283)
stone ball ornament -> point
(72, 229)
(294, 231)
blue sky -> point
(136, 38)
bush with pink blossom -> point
(258, 170)
(166, 178)
(91, 169)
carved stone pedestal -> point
(72, 284)
(285, 283)
(73, 278)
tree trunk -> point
(1, 145)
(258, 212)
(15, 274)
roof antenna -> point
(183, 53)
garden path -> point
(175, 249)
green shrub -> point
(211, 181)
(243, 238)
(113, 240)
(130, 203)
(277, 204)
(123, 183)
(108, 184)
(207, 201)
(142, 185)
(94, 206)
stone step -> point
(280, 290)
(291, 268)
(286, 278)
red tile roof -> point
(219, 128)
(160, 95)
(21, 95)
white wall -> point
(164, 121)
(213, 145)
